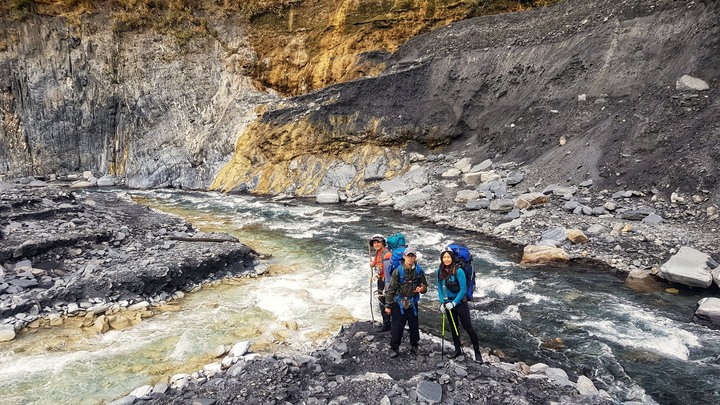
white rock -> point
(179, 381)
(585, 386)
(239, 348)
(7, 333)
(689, 267)
(464, 165)
(138, 306)
(106, 181)
(538, 368)
(689, 83)
(453, 172)
(328, 197)
(81, 184)
(143, 391)
(709, 308)
(556, 374)
(463, 196)
(212, 369)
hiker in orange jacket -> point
(381, 263)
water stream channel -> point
(581, 319)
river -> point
(581, 319)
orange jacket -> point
(377, 261)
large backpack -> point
(416, 297)
(464, 258)
(396, 244)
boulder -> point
(514, 178)
(453, 172)
(653, 219)
(394, 186)
(585, 386)
(709, 309)
(240, 348)
(464, 165)
(106, 181)
(482, 166)
(502, 205)
(414, 199)
(328, 197)
(689, 267)
(472, 179)
(535, 254)
(429, 391)
(7, 333)
(482, 203)
(376, 169)
(466, 195)
(577, 236)
(689, 83)
(527, 200)
(641, 280)
(558, 233)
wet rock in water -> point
(688, 267)
(709, 309)
(7, 333)
(327, 197)
(536, 254)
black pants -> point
(381, 298)
(461, 314)
(398, 326)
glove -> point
(442, 307)
(449, 306)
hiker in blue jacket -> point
(406, 284)
(452, 286)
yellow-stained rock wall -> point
(317, 43)
(297, 158)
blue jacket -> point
(445, 294)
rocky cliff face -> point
(80, 97)
(581, 90)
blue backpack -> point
(396, 244)
(465, 262)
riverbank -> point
(71, 253)
(351, 367)
(635, 233)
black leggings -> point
(461, 314)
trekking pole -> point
(372, 314)
(452, 318)
(442, 346)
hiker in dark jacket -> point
(452, 286)
(406, 284)
(381, 263)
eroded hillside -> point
(577, 91)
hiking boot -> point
(393, 354)
(414, 350)
(454, 354)
(478, 357)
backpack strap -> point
(416, 297)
